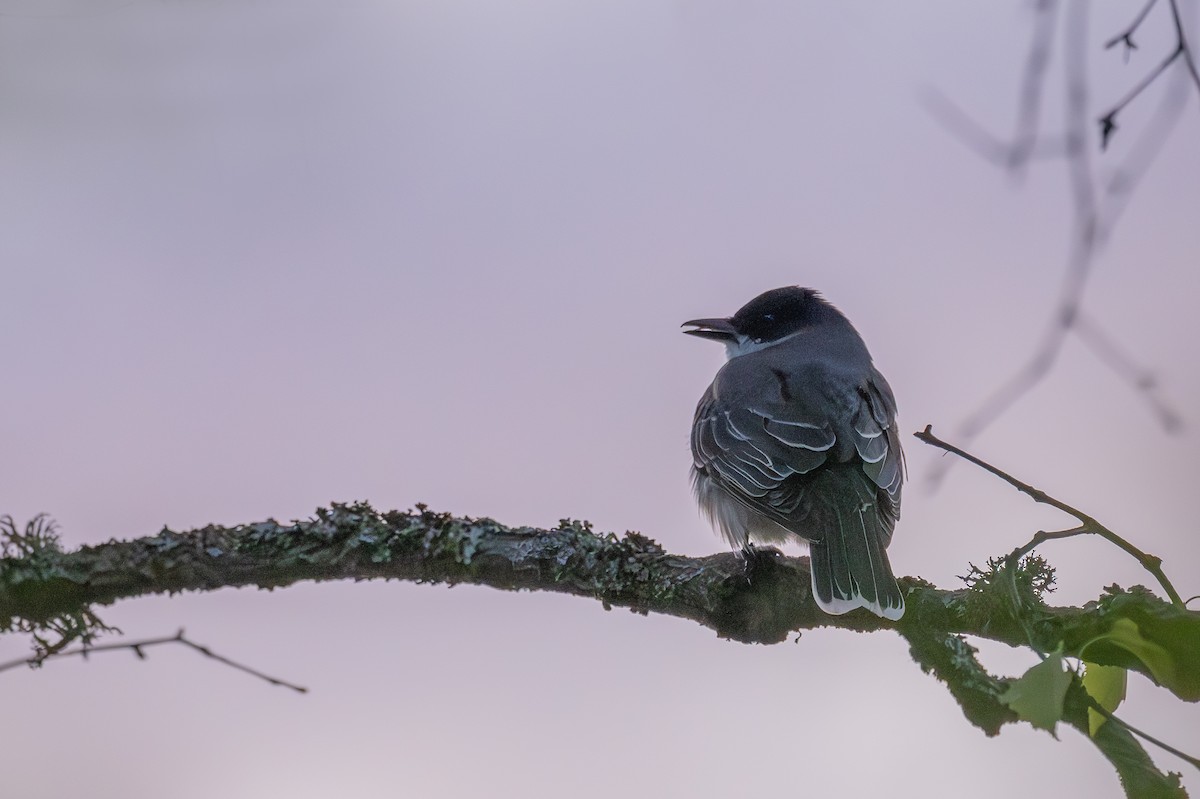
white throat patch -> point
(743, 345)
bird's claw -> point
(755, 559)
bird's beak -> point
(715, 329)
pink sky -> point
(261, 257)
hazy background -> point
(259, 256)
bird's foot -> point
(755, 560)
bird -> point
(796, 438)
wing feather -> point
(763, 452)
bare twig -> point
(1116, 358)
(1166, 747)
(1126, 35)
(1087, 524)
(1108, 122)
(1189, 57)
(1025, 135)
(974, 136)
(1095, 210)
(139, 648)
(1026, 143)
(1181, 51)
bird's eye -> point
(769, 317)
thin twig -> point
(1188, 56)
(990, 148)
(139, 647)
(1041, 537)
(1083, 248)
(1108, 122)
(1011, 563)
(1025, 134)
(1108, 714)
(1026, 144)
(1095, 213)
(1017, 386)
(1150, 563)
(1142, 154)
(1127, 35)
(1117, 359)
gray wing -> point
(877, 439)
(759, 443)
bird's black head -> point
(769, 317)
(778, 313)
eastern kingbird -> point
(797, 436)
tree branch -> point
(358, 542)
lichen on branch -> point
(40, 587)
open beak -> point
(715, 329)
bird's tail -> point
(850, 567)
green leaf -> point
(1106, 684)
(1147, 632)
(1164, 663)
(1037, 696)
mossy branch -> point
(357, 542)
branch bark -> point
(358, 542)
